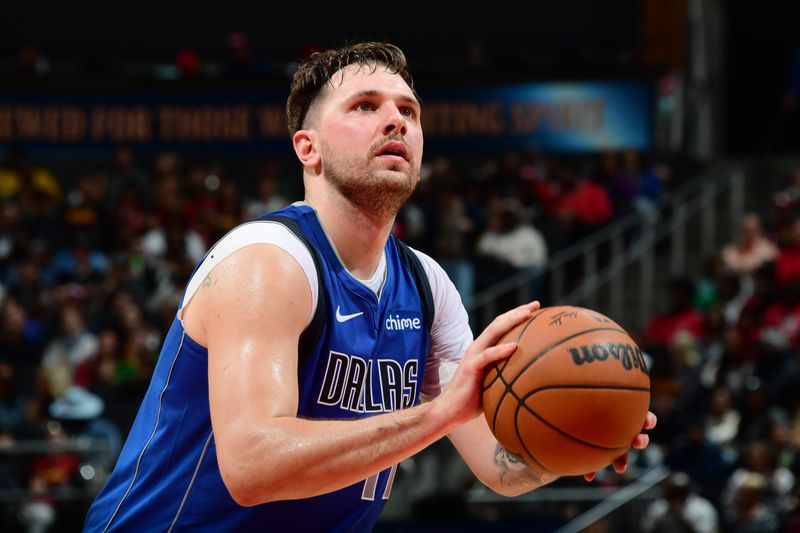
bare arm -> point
(252, 312)
(493, 465)
(504, 472)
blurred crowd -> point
(724, 368)
(92, 268)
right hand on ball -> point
(463, 394)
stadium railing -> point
(617, 270)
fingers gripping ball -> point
(574, 394)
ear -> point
(305, 147)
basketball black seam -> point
(525, 446)
(556, 345)
(565, 434)
(506, 390)
(519, 337)
(521, 402)
(604, 387)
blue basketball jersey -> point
(361, 355)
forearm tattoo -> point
(516, 474)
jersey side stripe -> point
(191, 483)
(152, 435)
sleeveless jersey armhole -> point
(257, 232)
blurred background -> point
(638, 157)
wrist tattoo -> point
(515, 473)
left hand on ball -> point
(640, 442)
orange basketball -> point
(574, 394)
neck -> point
(358, 237)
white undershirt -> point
(450, 334)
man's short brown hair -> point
(317, 70)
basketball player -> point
(312, 351)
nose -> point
(395, 123)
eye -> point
(364, 106)
(409, 112)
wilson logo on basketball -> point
(630, 356)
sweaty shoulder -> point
(450, 334)
(239, 244)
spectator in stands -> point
(680, 509)
(760, 459)
(531, 176)
(684, 366)
(201, 203)
(787, 264)
(52, 470)
(693, 453)
(131, 213)
(665, 394)
(81, 263)
(608, 170)
(170, 254)
(679, 315)
(85, 209)
(734, 293)
(748, 511)
(115, 380)
(776, 362)
(785, 210)
(229, 212)
(21, 178)
(177, 238)
(21, 343)
(722, 422)
(453, 227)
(780, 322)
(42, 218)
(140, 340)
(267, 197)
(12, 409)
(67, 356)
(734, 368)
(752, 249)
(26, 280)
(786, 453)
(168, 202)
(707, 288)
(765, 292)
(126, 178)
(13, 237)
(582, 206)
(540, 192)
(169, 191)
(510, 242)
(15, 425)
(712, 346)
(637, 187)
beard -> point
(373, 191)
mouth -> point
(393, 149)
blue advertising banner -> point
(562, 117)
(558, 117)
